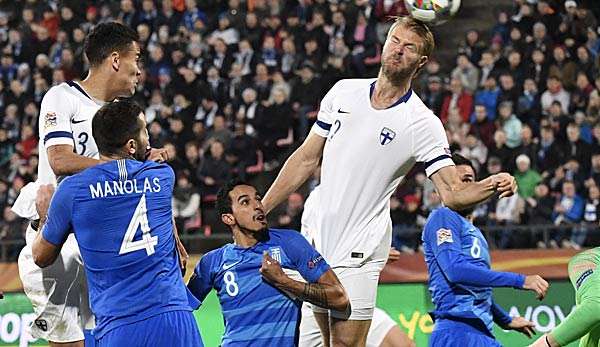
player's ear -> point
(115, 60)
(424, 59)
(131, 147)
(228, 219)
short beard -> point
(140, 152)
(397, 77)
(261, 235)
(466, 212)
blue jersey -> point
(255, 312)
(120, 212)
(460, 278)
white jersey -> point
(367, 154)
(65, 119)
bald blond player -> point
(369, 134)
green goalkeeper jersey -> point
(584, 321)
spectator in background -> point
(306, 94)
(214, 170)
(594, 177)
(527, 178)
(511, 125)
(289, 216)
(501, 150)
(186, 203)
(539, 209)
(555, 92)
(567, 213)
(538, 68)
(274, 126)
(475, 151)
(483, 127)
(466, 72)
(591, 218)
(508, 90)
(508, 213)
(488, 97)
(458, 98)
(433, 95)
(576, 148)
(528, 107)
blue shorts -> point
(449, 333)
(174, 328)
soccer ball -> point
(433, 12)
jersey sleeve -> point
(442, 233)
(308, 262)
(430, 144)
(501, 317)
(202, 279)
(325, 116)
(58, 223)
(55, 118)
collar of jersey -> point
(402, 99)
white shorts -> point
(58, 293)
(360, 284)
(310, 334)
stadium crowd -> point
(231, 87)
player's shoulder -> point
(214, 256)
(284, 234)
(418, 108)
(350, 85)
(441, 215)
(68, 89)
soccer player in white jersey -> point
(59, 293)
(370, 133)
(383, 332)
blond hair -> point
(419, 28)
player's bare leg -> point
(349, 333)
(67, 344)
(322, 319)
(397, 338)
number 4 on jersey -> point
(139, 219)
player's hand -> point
(271, 269)
(505, 184)
(42, 200)
(158, 155)
(394, 255)
(523, 326)
(537, 284)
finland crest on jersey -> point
(386, 136)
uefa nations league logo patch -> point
(386, 136)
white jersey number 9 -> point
(139, 219)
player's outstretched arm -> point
(578, 323)
(297, 168)
(458, 196)
(328, 292)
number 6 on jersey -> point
(140, 218)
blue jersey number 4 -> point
(139, 219)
